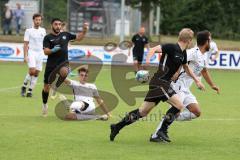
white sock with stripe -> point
(33, 82)
(26, 80)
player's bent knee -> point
(63, 71)
(36, 73)
(195, 109)
(46, 88)
(32, 71)
(197, 113)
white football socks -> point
(26, 80)
(186, 115)
(33, 82)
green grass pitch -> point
(26, 135)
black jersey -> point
(62, 40)
(172, 58)
(139, 43)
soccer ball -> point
(142, 76)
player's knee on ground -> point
(63, 71)
(71, 116)
(197, 113)
(195, 110)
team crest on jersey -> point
(64, 37)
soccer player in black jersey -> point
(140, 41)
(173, 56)
(55, 46)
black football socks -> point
(130, 118)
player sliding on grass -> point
(173, 57)
(55, 47)
(197, 60)
(33, 54)
(83, 107)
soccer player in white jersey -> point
(213, 52)
(33, 54)
(83, 107)
(197, 60)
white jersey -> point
(213, 48)
(212, 51)
(84, 92)
(35, 38)
(197, 61)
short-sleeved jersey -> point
(197, 61)
(172, 58)
(139, 43)
(35, 38)
(62, 40)
(84, 92)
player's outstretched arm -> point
(103, 106)
(82, 34)
(208, 79)
(151, 52)
(191, 74)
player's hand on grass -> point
(216, 88)
(55, 48)
(200, 85)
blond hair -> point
(185, 34)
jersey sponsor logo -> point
(52, 40)
(64, 37)
(6, 51)
(179, 57)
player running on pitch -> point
(83, 107)
(55, 47)
(173, 56)
(197, 60)
(33, 54)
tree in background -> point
(220, 17)
(145, 6)
(53, 9)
